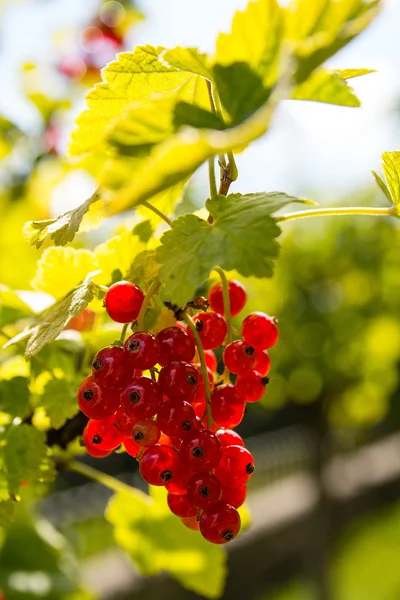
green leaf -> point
(391, 169)
(59, 401)
(196, 116)
(14, 396)
(62, 229)
(324, 86)
(383, 186)
(50, 324)
(157, 541)
(25, 456)
(144, 231)
(12, 307)
(144, 267)
(242, 237)
(190, 60)
(7, 511)
(133, 77)
(351, 73)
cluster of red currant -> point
(178, 422)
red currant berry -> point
(227, 406)
(236, 467)
(251, 385)
(199, 404)
(142, 398)
(146, 433)
(203, 489)
(237, 297)
(96, 402)
(131, 446)
(191, 523)
(123, 301)
(200, 450)
(260, 331)
(227, 437)
(182, 475)
(82, 322)
(239, 357)
(158, 464)
(263, 362)
(179, 380)
(123, 423)
(180, 505)
(211, 360)
(175, 344)
(102, 434)
(165, 440)
(93, 451)
(176, 418)
(220, 523)
(141, 350)
(234, 496)
(211, 328)
(110, 368)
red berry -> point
(182, 475)
(237, 297)
(220, 523)
(236, 467)
(93, 451)
(176, 418)
(227, 437)
(141, 350)
(203, 489)
(251, 385)
(82, 322)
(211, 360)
(73, 67)
(179, 380)
(158, 464)
(212, 329)
(96, 402)
(123, 301)
(146, 432)
(200, 450)
(180, 505)
(263, 362)
(165, 440)
(227, 406)
(234, 496)
(102, 434)
(239, 357)
(191, 523)
(123, 423)
(175, 344)
(199, 399)
(260, 331)
(142, 398)
(131, 446)
(199, 404)
(110, 368)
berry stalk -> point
(340, 211)
(153, 289)
(227, 303)
(207, 390)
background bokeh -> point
(325, 501)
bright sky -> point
(311, 146)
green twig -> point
(227, 303)
(340, 211)
(211, 177)
(107, 480)
(123, 332)
(153, 289)
(157, 212)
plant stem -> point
(153, 289)
(211, 177)
(123, 332)
(221, 157)
(103, 288)
(91, 473)
(199, 345)
(227, 303)
(339, 211)
(158, 212)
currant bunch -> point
(176, 418)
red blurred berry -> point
(110, 368)
(175, 344)
(158, 464)
(235, 467)
(237, 297)
(82, 322)
(123, 423)
(182, 475)
(96, 402)
(234, 496)
(260, 330)
(95, 452)
(165, 440)
(191, 523)
(176, 418)
(102, 434)
(251, 385)
(211, 328)
(123, 301)
(227, 406)
(141, 350)
(220, 523)
(203, 489)
(142, 398)
(227, 437)
(200, 451)
(211, 360)
(146, 432)
(131, 446)
(179, 380)
(239, 357)
(180, 505)
(263, 362)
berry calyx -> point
(239, 357)
(211, 328)
(141, 350)
(235, 467)
(158, 464)
(181, 506)
(142, 398)
(237, 297)
(110, 368)
(200, 450)
(176, 418)
(227, 406)
(174, 344)
(251, 385)
(146, 433)
(179, 380)
(123, 301)
(203, 490)
(96, 402)
(220, 523)
(260, 330)
(228, 437)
